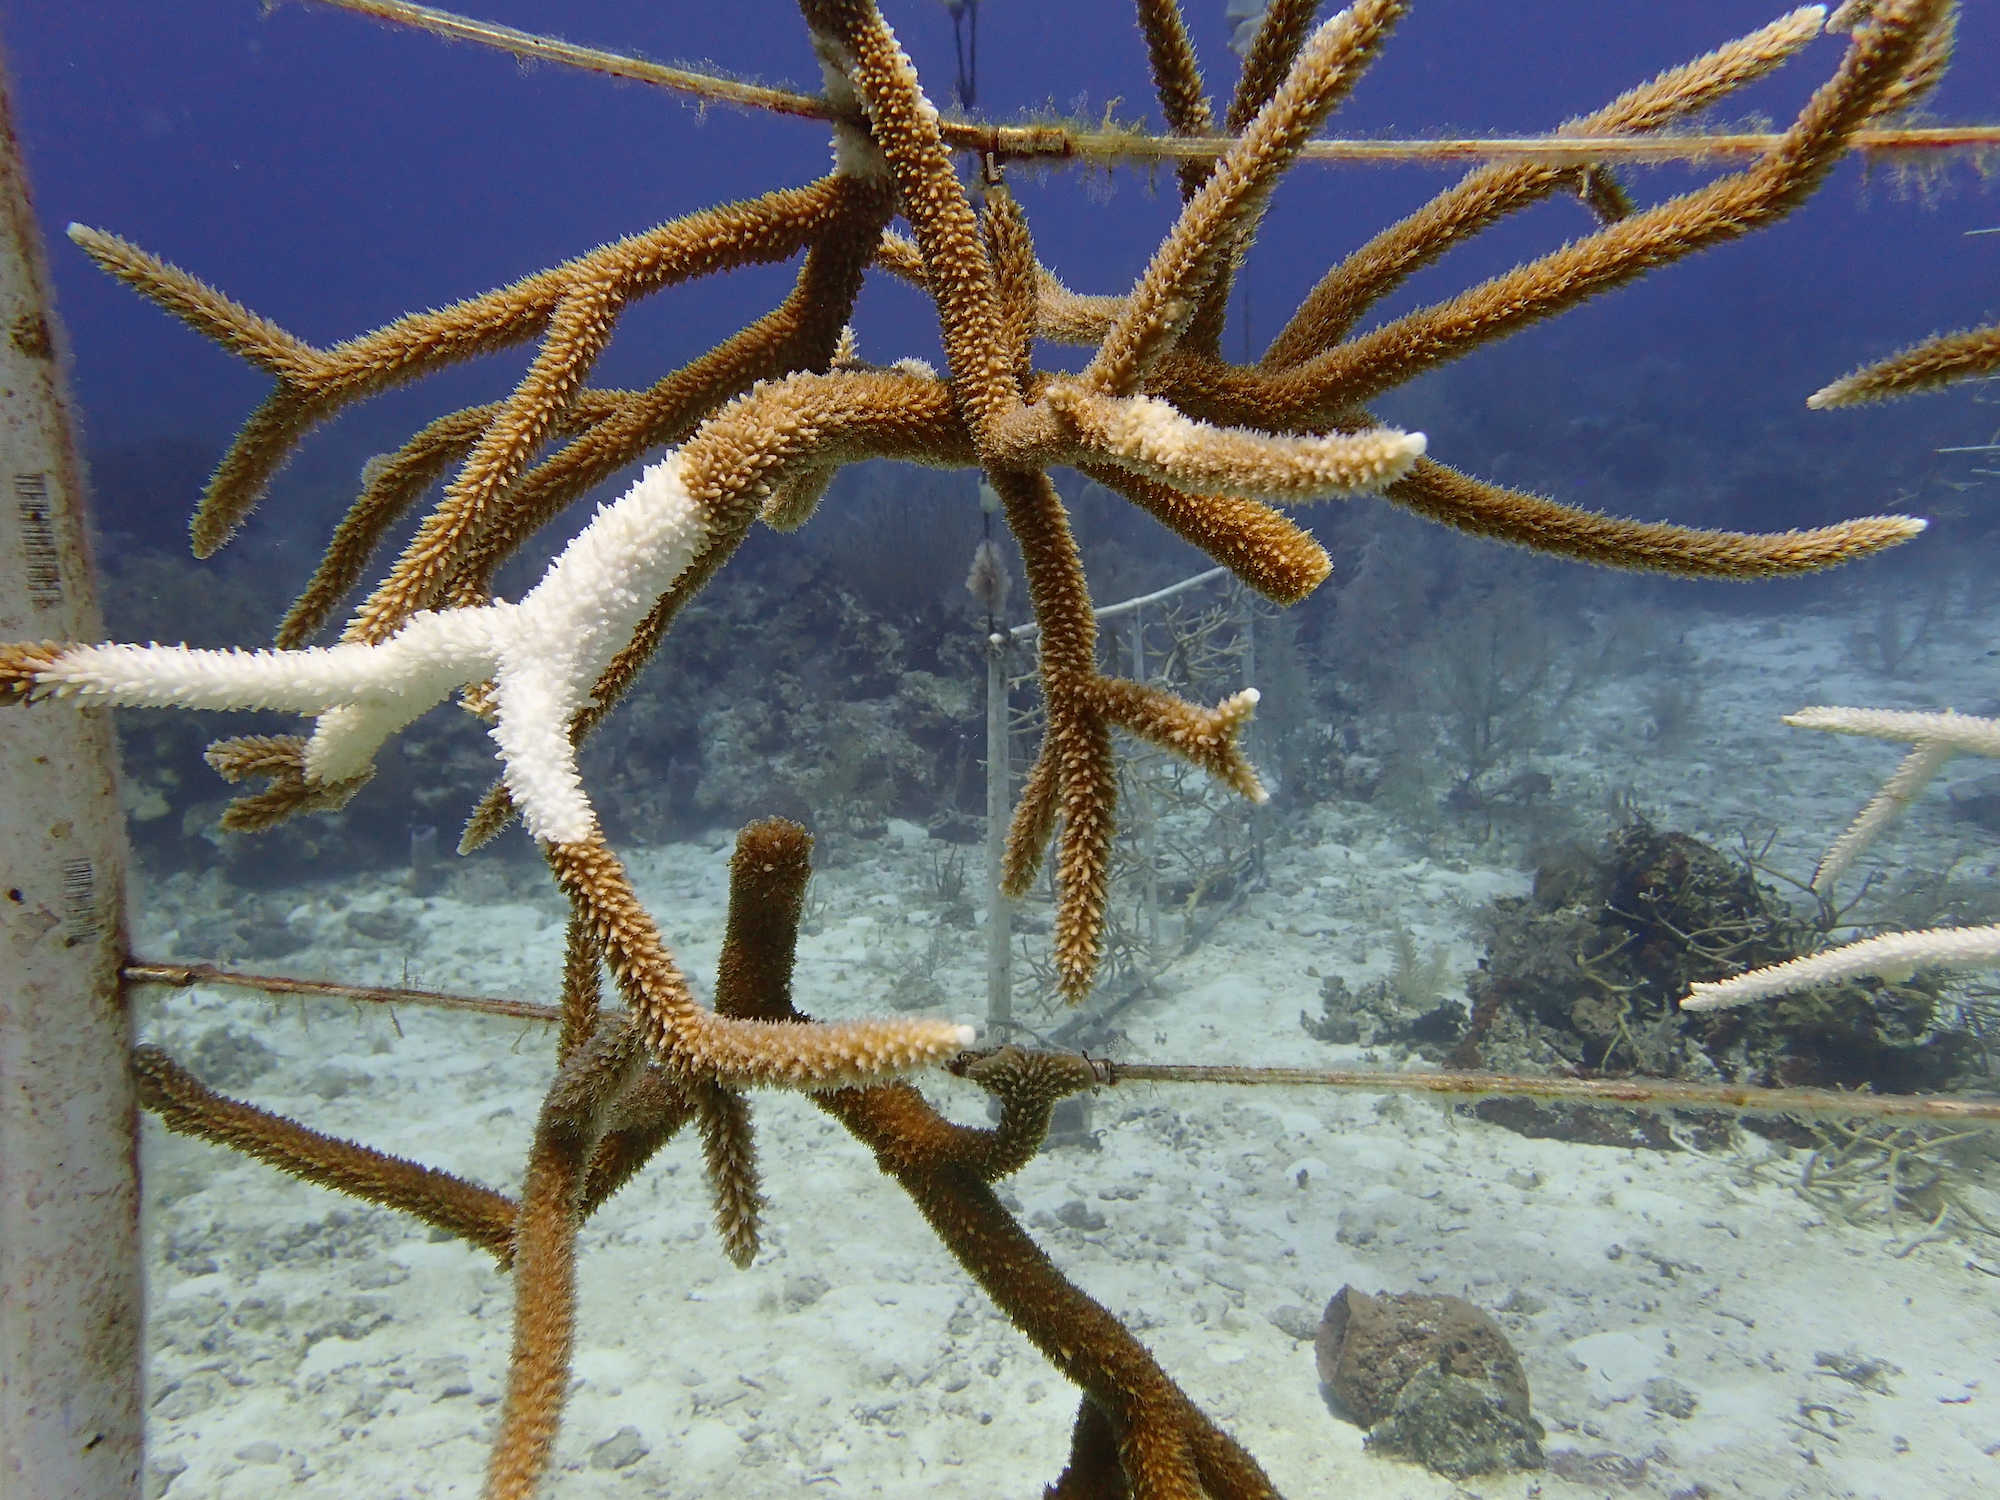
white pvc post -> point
(999, 946)
(1149, 833)
(1246, 602)
(71, 1303)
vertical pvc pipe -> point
(1149, 835)
(1245, 602)
(71, 1305)
(999, 946)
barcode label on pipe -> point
(38, 540)
(79, 898)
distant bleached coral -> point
(1936, 738)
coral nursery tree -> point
(754, 430)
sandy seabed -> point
(1691, 1325)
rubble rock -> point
(1368, 1349)
(1458, 1427)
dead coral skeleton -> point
(1935, 738)
(756, 428)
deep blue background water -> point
(332, 173)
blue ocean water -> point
(333, 173)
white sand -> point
(302, 1337)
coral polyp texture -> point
(1935, 363)
(755, 428)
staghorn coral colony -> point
(755, 431)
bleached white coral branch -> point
(1911, 777)
(1894, 955)
(542, 654)
(1967, 732)
(1937, 737)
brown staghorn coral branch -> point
(391, 485)
(1232, 199)
(728, 1148)
(946, 1168)
(644, 1117)
(1929, 366)
(1177, 83)
(1313, 394)
(1074, 775)
(1011, 251)
(1033, 823)
(1440, 493)
(797, 495)
(1206, 737)
(1160, 1430)
(904, 126)
(188, 1107)
(773, 227)
(582, 985)
(254, 339)
(693, 1042)
(1028, 1086)
(579, 1106)
(1066, 317)
(1077, 743)
(900, 257)
(1261, 547)
(577, 333)
(759, 231)
(649, 1114)
(1491, 193)
(1093, 1471)
(488, 819)
(22, 664)
(1925, 70)
(800, 334)
(1273, 53)
(255, 755)
(262, 446)
(768, 875)
(281, 757)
